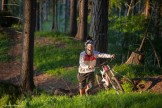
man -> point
(87, 65)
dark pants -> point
(85, 79)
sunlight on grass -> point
(55, 55)
(103, 99)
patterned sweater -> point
(85, 61)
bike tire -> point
(116, 85)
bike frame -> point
(108, 78)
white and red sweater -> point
(85, 61)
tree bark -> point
(82, 26)
(28, 46)
(136, 58)
(4, 5)
(53, 14)
(64, 15)
(146, 11)
(73, 17)
(37, 16)
(99, 24)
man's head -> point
(89, 47)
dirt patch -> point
(152, 84)
(44, 41)
(51, 83)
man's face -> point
(89, 49)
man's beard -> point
(89, 52)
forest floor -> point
(10, 72)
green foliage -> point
(134, 71)
(127, 86)
(17, 27)
(4, 100)
(125, 34)
(5, 44)
(9, 94)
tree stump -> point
(135, 58)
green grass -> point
(5, 44)
(134, 71)
(59, 56)
(101, 100)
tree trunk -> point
(21, 10)
(135, 58)
(64, 15)
(129, 7)
(37, 16)
(99, 24)
(146, 11)
(53, 14)
(28, 46)
(73, 17)
(45, 18)
(40, 14)
(4, 5)
(56, 17)
(58, 14)
(82, 26)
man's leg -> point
(82, 82)
(82, 91)
(90, 82)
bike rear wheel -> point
(116, 85)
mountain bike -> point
(108, 79)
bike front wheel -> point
(116, 85)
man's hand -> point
(90, 67)
(113, 56)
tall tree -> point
(82, 26)
(28, 45)
(37, 16)
(4, 5)
(73, 17)
(99, 24)
(146, 9)
(54, 15)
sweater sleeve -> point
(102, 55)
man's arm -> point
(104, 55)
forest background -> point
(131, 26)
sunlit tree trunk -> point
(82, 24)
(4, 5)
(129, 7)
(28, 46)
(146, 9)
(73, 17)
